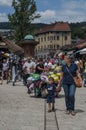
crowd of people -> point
(44, 77)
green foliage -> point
(24, 14)
(78, 29)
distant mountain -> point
(78, 29)
(7, 25)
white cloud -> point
(3, 17)
(49, 16)
(6, 2)
(71, 11)
(46, 16)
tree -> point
(24, 14)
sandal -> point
(68, 112)
(73, 113)
(49, 111)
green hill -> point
(78, 29)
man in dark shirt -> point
(39, 67)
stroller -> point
(37, 83)
(33, 84)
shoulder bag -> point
(76, 80)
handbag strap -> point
(69, 72)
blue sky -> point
(51, 10)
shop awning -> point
(14, 48)
(83, 51)
(70, 52)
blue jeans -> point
(69, 96)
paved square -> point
(18, 111)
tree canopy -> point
(24, 14)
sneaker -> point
(53, 109)
(29, 92)
(49, 111)
(68, 112)
(73, 113)
(13, 84)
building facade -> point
(51, 38)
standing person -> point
(40, 66)
(14, 71)
(1, 72)
(28, 64)
(5, 68)
(19, 70)
(68, 84)
(50, 92)
(26, 68)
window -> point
(44, 38)
(65, 32)
(54, 46)
(65, 38)
(41, 39)
(57, 37)
(57, 32)
(57, 46)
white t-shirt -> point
(33, 64)
(28, 65)
(5, 66)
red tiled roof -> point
(58, 26)
(81, 45)
(81, 41)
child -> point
(50, 91)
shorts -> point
(50, 99)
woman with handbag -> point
(69, 73)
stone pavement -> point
(19, 111)
(68, 122)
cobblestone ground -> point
(68, 122)
(19, 111)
